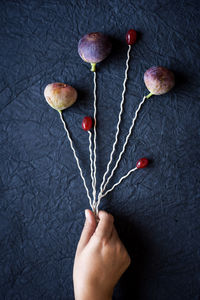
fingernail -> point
(86, 214)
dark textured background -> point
(42, 195)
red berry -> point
(142, 163)
(131, 37)
(87, 123)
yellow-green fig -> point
(60, 95)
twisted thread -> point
(119, 119)
(91, 160)
(122, 178)
(76, 158)
(123, 149)
(95, 136)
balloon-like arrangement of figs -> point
(93, 48)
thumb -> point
(88, 229)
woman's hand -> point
(100, 259)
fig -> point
(159, 80)
(94, 47)
(60, 95)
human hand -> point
(100, 259)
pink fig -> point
(159, 80)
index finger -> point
(105, 225)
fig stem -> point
(149, 95)
(93, 67)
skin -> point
(60, 95)
(159, 80)
(94, 47)
(100, 259)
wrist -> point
(92, 293)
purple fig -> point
(60, 95)
(94, 47)
(159, 80)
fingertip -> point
(88, 229)
(105, 225)
(89, 215)
(105, 215)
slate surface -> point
(42, 195)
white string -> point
(95, 136)
(119, 119)
(126, 141)
(122, 178)
(91, 161)
(77, 160)
(123, 149)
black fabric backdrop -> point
(42, 202)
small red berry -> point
(87, 123)
(131, 37)
(142, 163)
